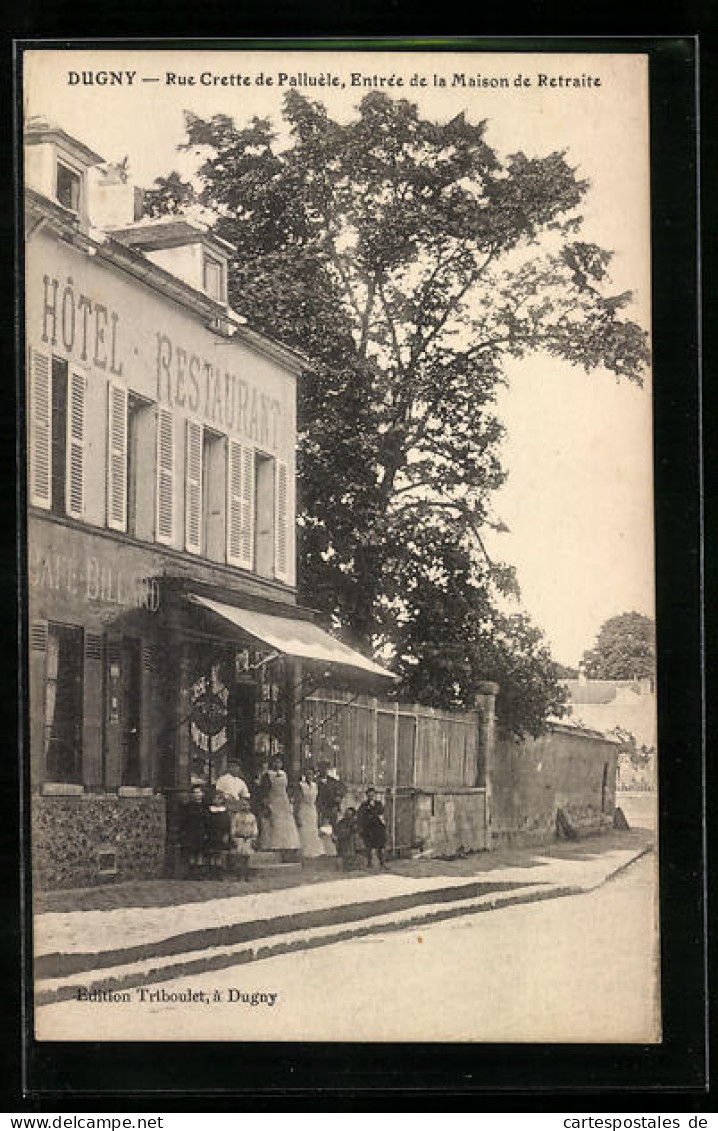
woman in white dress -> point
(283, 834)
(311, 841)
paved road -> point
(579, 968)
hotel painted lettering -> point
(85, 328)
(218, 396)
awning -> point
(293, 637)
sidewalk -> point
(160, 930)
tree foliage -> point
(625, 648)
(409, 261)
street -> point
(577, 968)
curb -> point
(456, 903)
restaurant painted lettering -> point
(91, 580)
(196, 385)
(89, 330)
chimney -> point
(113, 201)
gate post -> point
(485, 700)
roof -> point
(172, 231)
(599, 690)
(134, 262)
(39, 130)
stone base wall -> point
(440, 821)
(78, 841)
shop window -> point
(63, 703)
(68, 186)
(213, 277)
(264, 533)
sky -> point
(578, 498)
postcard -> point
(341, 624)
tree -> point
(625, 648)
(409, 261)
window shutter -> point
(75, 489)
(40, 429)
(117, 458)
(240, 505)
(165, 476)
(193, 488)
(281, 517)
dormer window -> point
(213, 277)
(68, 186)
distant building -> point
(624, 707)
(604, 704)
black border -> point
(131, 1076)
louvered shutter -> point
(240, 505)
(117, 458)
(193, 488)
(165, 476)
(40, 429)
(75, 481)
(281, 519)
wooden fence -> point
(404, 750)
(376, 742)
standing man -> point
(372, 828)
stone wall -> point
(95, 838)
(568, 768)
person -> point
(347, 836)
(232, 785)
(194, 831)
(311, 843)
(242, 838)
(372, 829)
(282, 832)
(218, 834)
(330, 793)
(234, 794)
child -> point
(347, 835)
(243, 834)
(194, 831)
(218, 834)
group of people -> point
(225, 823)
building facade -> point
(163, 627)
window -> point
(214, 486)
(264, 516)
(240, 505)
(193, 487)
(130, 502)
(63, 703)
(57, 436)
(165, 525)
(213, 280)
(68, 187)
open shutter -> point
(281, 518)
(240, 505)
(165, 476)
(193, 488)
(117, 458)
(75, 490)
(40, 429)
